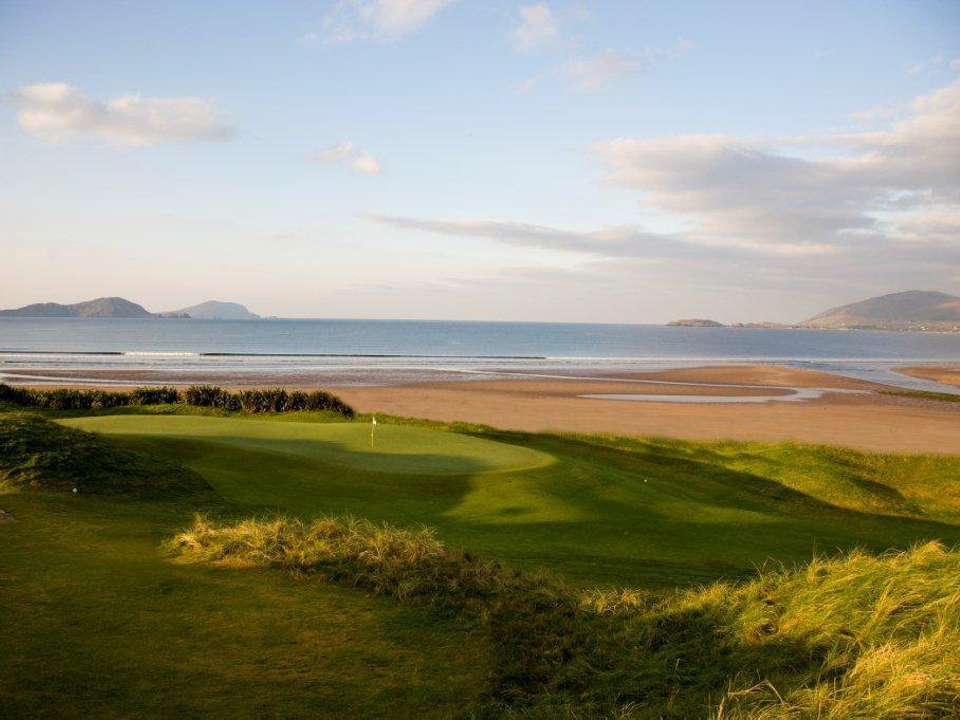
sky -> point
(622, 162)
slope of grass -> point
(857, 636)
(393, 448)
(37, 454)
(922, 486)
(95, 622)
(597, 510)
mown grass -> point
(98, 621)
(856, 636)
(651, 513)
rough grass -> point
(36, 454)
(924, 395)
(855, 636)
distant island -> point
(105, 307)
(214, 310)
(913, 310)
(118, 307)
(695, 322)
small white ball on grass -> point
(74, 491)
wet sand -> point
(946, 374)
(867, 420)
(859, 416)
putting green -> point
(396, 448)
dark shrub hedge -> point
(254, 401)
(154, 396)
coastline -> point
(849, 412)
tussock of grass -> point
(36, 454)
(856, 636)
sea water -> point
(384, 351)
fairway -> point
(394, 449)
(652, 514)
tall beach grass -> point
(853, 636)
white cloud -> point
(936, 62)
(599, 72)
(381, 21)
(348, 152)
(56, 112)
(603, 70)
(366, 163)
(880, 209)
(337, 153)
(538, 27)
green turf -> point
(97, 623)
(392, 449)
(595, 510)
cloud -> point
(366, 163)
(58, 112)
(538, 27)
(347, 151)
(381, 21)
(337, 153)
(625, 241)
(601, 71)
(936, 62)
(878, 209)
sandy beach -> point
(946, 374)
(851, 413)
(866, 420)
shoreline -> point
(849, 412)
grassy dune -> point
(857, 636)
(104, 612)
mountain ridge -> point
(215, 310)
(99, 307)
(909, 310)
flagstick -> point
(373, 425)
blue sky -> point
(607, 161)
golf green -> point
(392, 449)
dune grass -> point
(855, 636)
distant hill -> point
(695, 322)
(101, 307)
(912, 310)
(215, 310)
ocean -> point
(375, 352)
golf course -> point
(169, 560)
